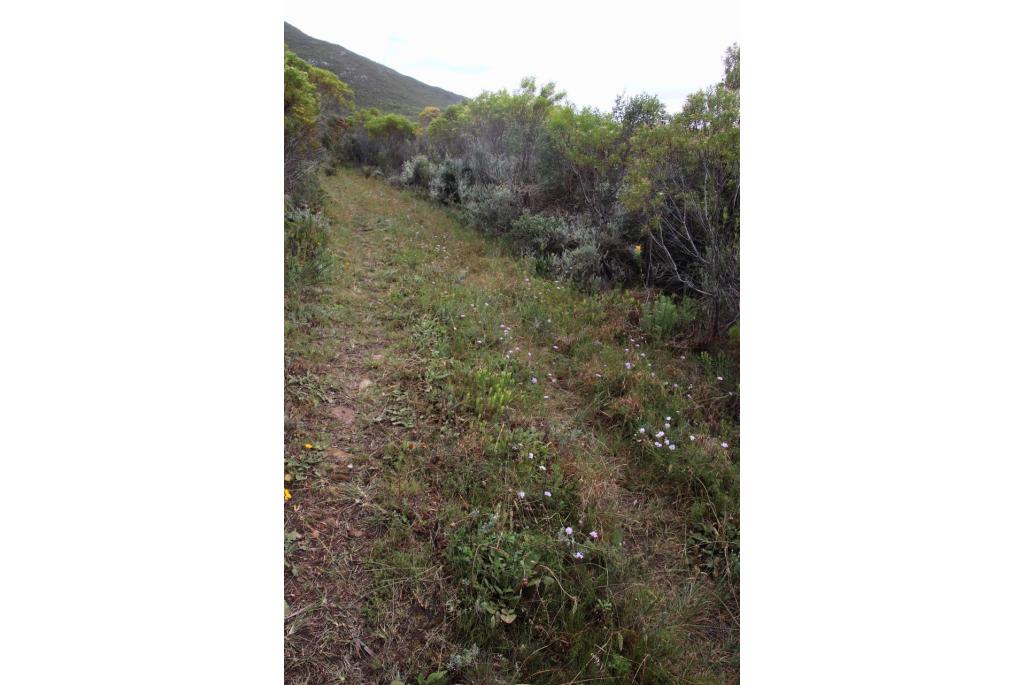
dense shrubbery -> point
(306, 257)
(316, 105)
(631, 196)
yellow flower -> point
(308, 446)
(638, 248)
(287, 494)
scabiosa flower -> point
(628, 366)
(725, 445)
(720, 378)
(692, 438)
(668, 425)
(671, 447)
(659, 434)
(522, 495)
(543, 468)
(534, 380)
(530, 455)
(668, 418)
(578, 555)
(643, 430)
(547, 493)
(657, 444)
(568, 530)
(593, 534)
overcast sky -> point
(592, 51)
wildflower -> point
(543, 468)
(668, 425)
(692, 438)
(530, 455)
(547, 397)
(308, 446)
(725, 445)
(719, 378)
(593, 534)
(628, 366)
(554, 347)
(657, 444)
(547, 493)
(287, 494)
(668, 418)
(578, 555)
(534, 380)
(643, 430)
(568, 530)
(659, 434)
(638, 249)
(522, 495)
(643, 354)
(671, 447)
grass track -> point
(409, 549)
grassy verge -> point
(486, 497)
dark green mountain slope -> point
(374, 84)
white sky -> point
(591, 50)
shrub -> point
(306, 257)
(581, 265)
(418, 172)
(492, 208)
(451, 181)
(538, 233)
(663, 316)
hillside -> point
(374, 84)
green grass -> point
(449, 568)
